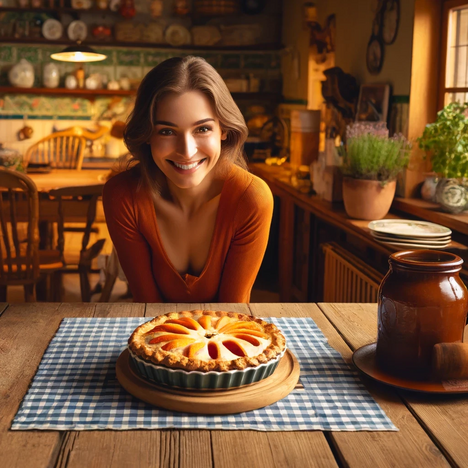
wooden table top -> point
(59, 178)
(432, 428)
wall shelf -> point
(58, 10)
(43, 41)
(93, 93)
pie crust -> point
(206, 340)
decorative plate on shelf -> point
(205, 35)
(52, 29)
(402, 240)
(77, 31)
(81, 4)
(177, 35)
(409, 228)
(415, 245)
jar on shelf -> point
(51, 75)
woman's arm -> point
(245, 255)
(132, 248)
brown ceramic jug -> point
(422, 302)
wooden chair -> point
(21, 261)
(89, 194)
(63, 150)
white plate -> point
(177, 35)
(77, 31)
(404, 246)
(425, 240)
(409, 228)
(52, 29)
(205, 35)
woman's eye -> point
(204, 129)
(166, 132)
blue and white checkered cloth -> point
(75, 387)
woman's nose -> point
(187, 146)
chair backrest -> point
(19, 217)
(61, 151)
(99, 132)
(89, 193)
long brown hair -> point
(179, 75)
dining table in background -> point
(432, 428)
(60, 178)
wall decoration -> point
(390, 21)
(322, 37)
(373, 103)
(384, 31)
(375, 55)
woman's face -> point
(186, 140)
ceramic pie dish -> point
(204, 349)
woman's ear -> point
(223, 135)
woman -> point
(189, 223)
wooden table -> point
(59, 178)
(433, 429)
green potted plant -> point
(371, 164)
(446, 140)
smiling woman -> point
(189, 222)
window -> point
(455, 78)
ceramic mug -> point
(422, 302)
(25, 133)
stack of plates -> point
(406, 233)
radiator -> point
(347, 278)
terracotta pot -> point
(367, 199)
(422, 302)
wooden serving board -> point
(235, 400)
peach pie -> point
(205, 340)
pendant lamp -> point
(78, 53)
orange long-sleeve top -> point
(236, 252)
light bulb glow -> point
(77, 56)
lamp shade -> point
(78, 53)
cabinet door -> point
(285, 252)
(268, 275)
(301, 252)
(321, 232)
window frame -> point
(447, 6)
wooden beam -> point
(424, 83)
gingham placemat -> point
(75, 387)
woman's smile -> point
(188, 168)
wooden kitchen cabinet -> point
(305, 224)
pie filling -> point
(207, 341)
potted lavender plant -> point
(371, 164)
